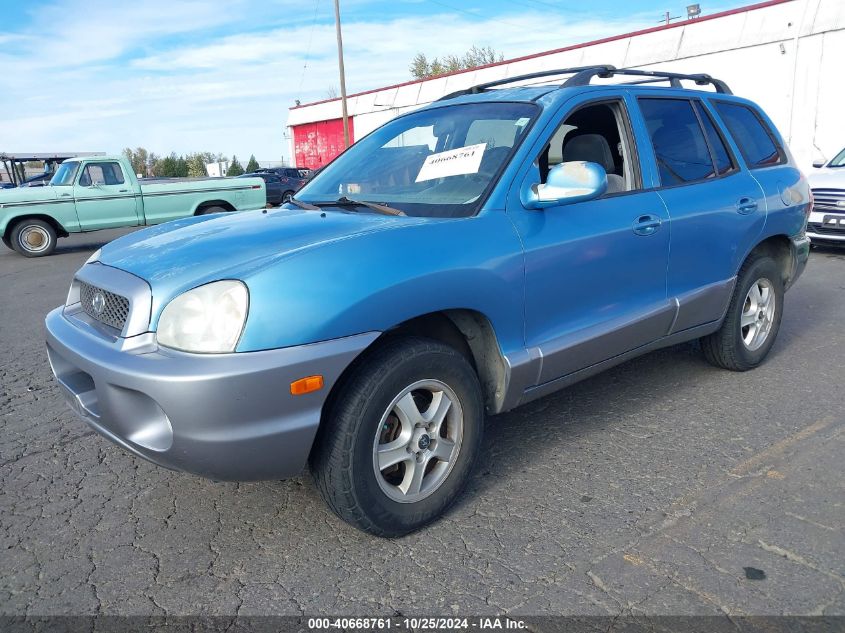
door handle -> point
(122, 190)
(746, 205)
(65, 195)
(646, 224)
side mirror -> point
(573, 181)
(819, 163)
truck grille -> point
(827, 199)
(104, 306)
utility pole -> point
(668, 17)
(342, 74)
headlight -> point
(208, 319)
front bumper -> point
(222, 416)
(827, 226)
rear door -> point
(104, 199)
(595, 271)
(716, 206)
(765, 156)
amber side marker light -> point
(306, 385)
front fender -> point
(374, 281)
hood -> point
(827, 178)
(179, 255)
(13, 197)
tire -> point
(210, 210)
(286, 196)
(751, 324)
(33, 238)
(409, 375)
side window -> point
(678, 141)
(755, 141)
(721, 156)
(597, 133)
(103, 173)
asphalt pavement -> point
(663, 486)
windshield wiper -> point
(343, 201)
(303, 205)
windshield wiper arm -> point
(303, 205)
(343, 201)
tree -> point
(235, 168)
(139, 158)
(252, 165)
(196, 166)
(167, 167)
(422, 68)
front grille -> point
(114, 308)
(827, 199)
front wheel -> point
(33, 238)
(398, 443)
(753, 318)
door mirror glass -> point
(572, 181)
(818, 163)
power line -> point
(475, 15)
(308, 48)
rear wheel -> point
(753, 318)
(398, 444)
(210, 210)
(286, 196)
(33, 238)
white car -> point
(827, 220)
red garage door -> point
(315, 144)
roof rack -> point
(582, 75)
(509, 80)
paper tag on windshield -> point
(455, 162)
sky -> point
(220, 75)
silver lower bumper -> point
(221, 416)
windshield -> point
(65, 173)
(839, 161)
(435, 163)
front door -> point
(595, 271)
(104, 199)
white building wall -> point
(788, 57)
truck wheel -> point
(398, 442)
(210, 210)
(33, 238)
(753, 318)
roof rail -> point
(583, 78)
(582, 75)
(543, 73)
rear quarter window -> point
(755, 140)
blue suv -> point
(463, 259)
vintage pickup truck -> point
(88, 194)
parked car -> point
(827, 221)
(272, 185)
(88, 194)
(461, 260)
(290, 177)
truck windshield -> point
(436, 163)
(65, 173)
